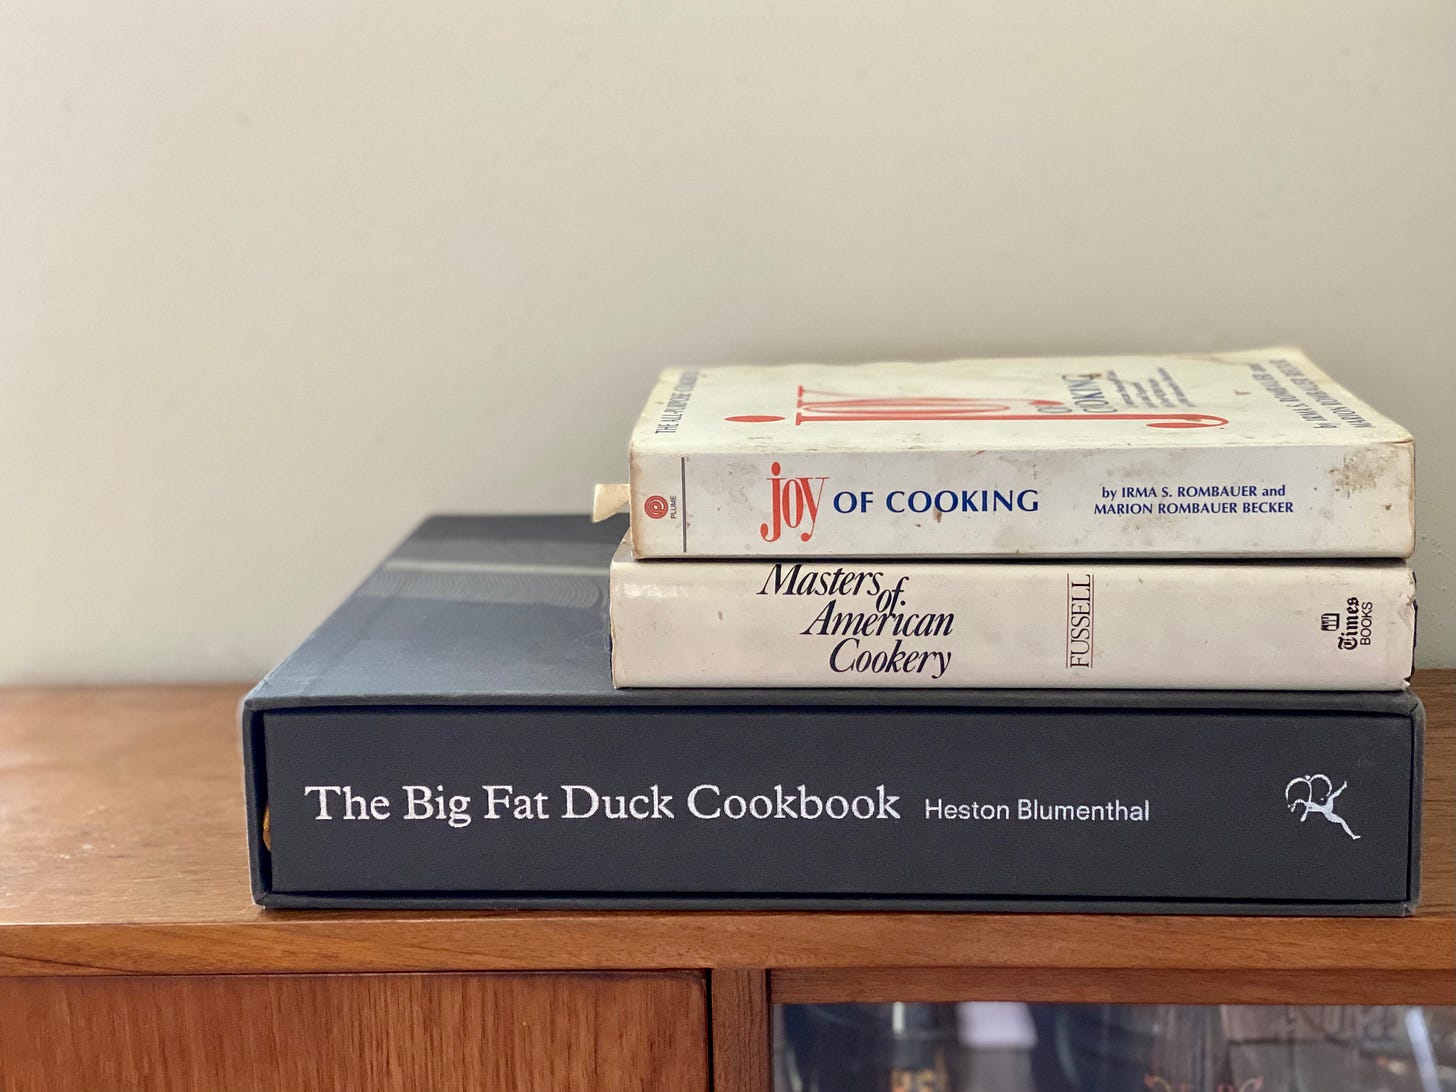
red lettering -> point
(790, 500)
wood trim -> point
(1040, 984)
(742, 1042)
(303, 942)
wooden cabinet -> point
(131, 955)
(576, 1032)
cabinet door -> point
(358, 1032)
(1014, 1046)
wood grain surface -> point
(741, 1041)
(799, 986)
(122, 852)
(358, 1033)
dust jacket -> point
(1248, 454)
(450, 737)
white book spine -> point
(1318, 500)
(1214, 625)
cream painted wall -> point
(276, 280)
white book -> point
(1223, 625)
(1249, 454)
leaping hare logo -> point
(1316, 793)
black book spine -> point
(1096, 808)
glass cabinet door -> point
(1014, 1047)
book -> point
(1220, 625)
(450, 736)
(1248, 454)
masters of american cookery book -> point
(1255, 454)
(1217, 625)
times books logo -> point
(792, 502)
(1353, 626)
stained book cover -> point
(1248, 454)
(1229, 625)
(450, 736)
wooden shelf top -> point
(122, 851)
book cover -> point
(450, 736)
(1219, 625)
(1249, 454)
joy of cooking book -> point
(1246, 454)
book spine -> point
(1055, 802)
(1210, 625)
(1330, 500)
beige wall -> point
(278, 279)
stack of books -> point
(1124, 634)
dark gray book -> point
(450, 737)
